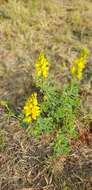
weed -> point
(58, 108)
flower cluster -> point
(79, 64)
(31, 109)
(42, 67)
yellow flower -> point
(79, 75)
(73, 69)
(79, 64)
(27, 119)
(31, 109)
(42, 66)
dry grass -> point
(26, 163)
(26, 28)
(60, 29)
